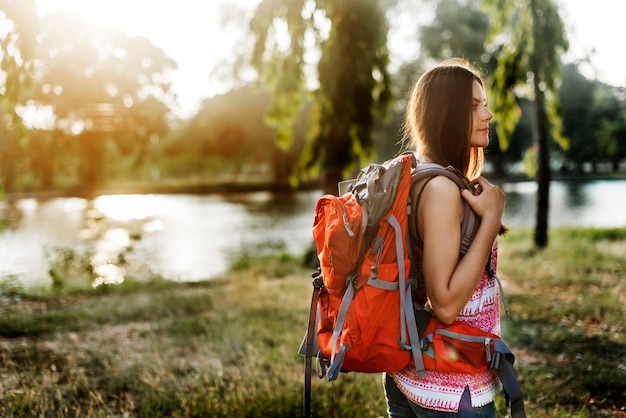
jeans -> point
(398, 406)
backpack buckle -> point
(318, 279)
(495, 360)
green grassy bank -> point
(227, 347)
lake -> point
(195, 237)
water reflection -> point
(194, 237)
(597, 203)
(125, 207)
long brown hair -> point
(439, 116)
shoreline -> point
(248, 187)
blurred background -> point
(173, 136)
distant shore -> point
(180, 187)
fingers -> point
(487, 198)
(467, 194)
(479, 184)
(482, 184)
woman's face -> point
(479, 135)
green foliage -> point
(531, 38)
(106, 92)
(529, 162)
(282, 66)
(118, 93)
(524, 42)
(593, 119)
(350, 92)
(354, 84)
(219, 145)
(17, 50)
(458, 29)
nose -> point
(488, 115)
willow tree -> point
(528, 37)
(353, 83)
(18, 31)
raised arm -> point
(450, 282)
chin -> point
(480, 142)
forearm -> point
(450, 282)
(466, 274)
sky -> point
(595, 29)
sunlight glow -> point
(106, 273)
(189, 31)
(126, 207)
(106, 12)
(36, 117)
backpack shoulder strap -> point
(414, 202)
(471, 221)
(423, 170)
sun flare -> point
(130, 16)
(188, 31)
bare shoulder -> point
(441, 202)
(442, 189)
(440, 212)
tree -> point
(593, 120)
(576, 97)
(352, 74)
(458, 29)
(220, 140)
(18, 30)
(387, 134)
(104, 87)
(606, 120)
(528, 37)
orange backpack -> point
(366, 321)
(362, 316)
(361, 240)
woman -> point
(447, 123)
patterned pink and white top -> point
(443, 391)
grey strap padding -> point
(335, 363)
(415, 347)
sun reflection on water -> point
(107, 273)
(115, 223)
(126, 207)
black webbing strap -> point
(309, 344)
(512, 389)
(502, 363)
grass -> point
(228, 347)
(568, 321)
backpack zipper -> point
(344, 216)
